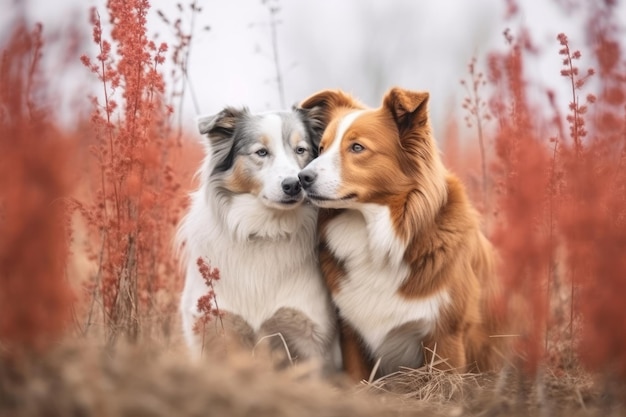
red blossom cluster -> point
(571, 72)
(207, 304)
(478, 114)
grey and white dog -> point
(250, 219)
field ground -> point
(81, 379)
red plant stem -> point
(577, 148)
(479, 127)
(108, 128)
(36, 54)
(575, 133)
(551, 236)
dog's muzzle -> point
(291, 186)
(307, 178)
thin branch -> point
(273, 28)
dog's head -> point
(372, 155)
(259, 154)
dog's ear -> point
(408, 108)
(318, 110)
(220, 124)
(220, 131)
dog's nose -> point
(307, 177)
(291, 186)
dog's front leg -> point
(446, 352)
(356, 361)
(226, 332)
(294, 337)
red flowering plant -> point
(35, 177)
(207, 304)
(137, 198)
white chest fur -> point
(266, 261)
(372, 257)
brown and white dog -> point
(399, 242)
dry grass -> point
(552, 392)
(81, 380)
(430, 385)
(136, 381)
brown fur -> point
(357, 361)
(242, 181)
(431, 213)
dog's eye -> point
(262, 152)
(357, 148)
(300, 150)
(321, 149)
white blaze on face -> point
(328, 165)
(281, 162)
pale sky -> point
(361, 46)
